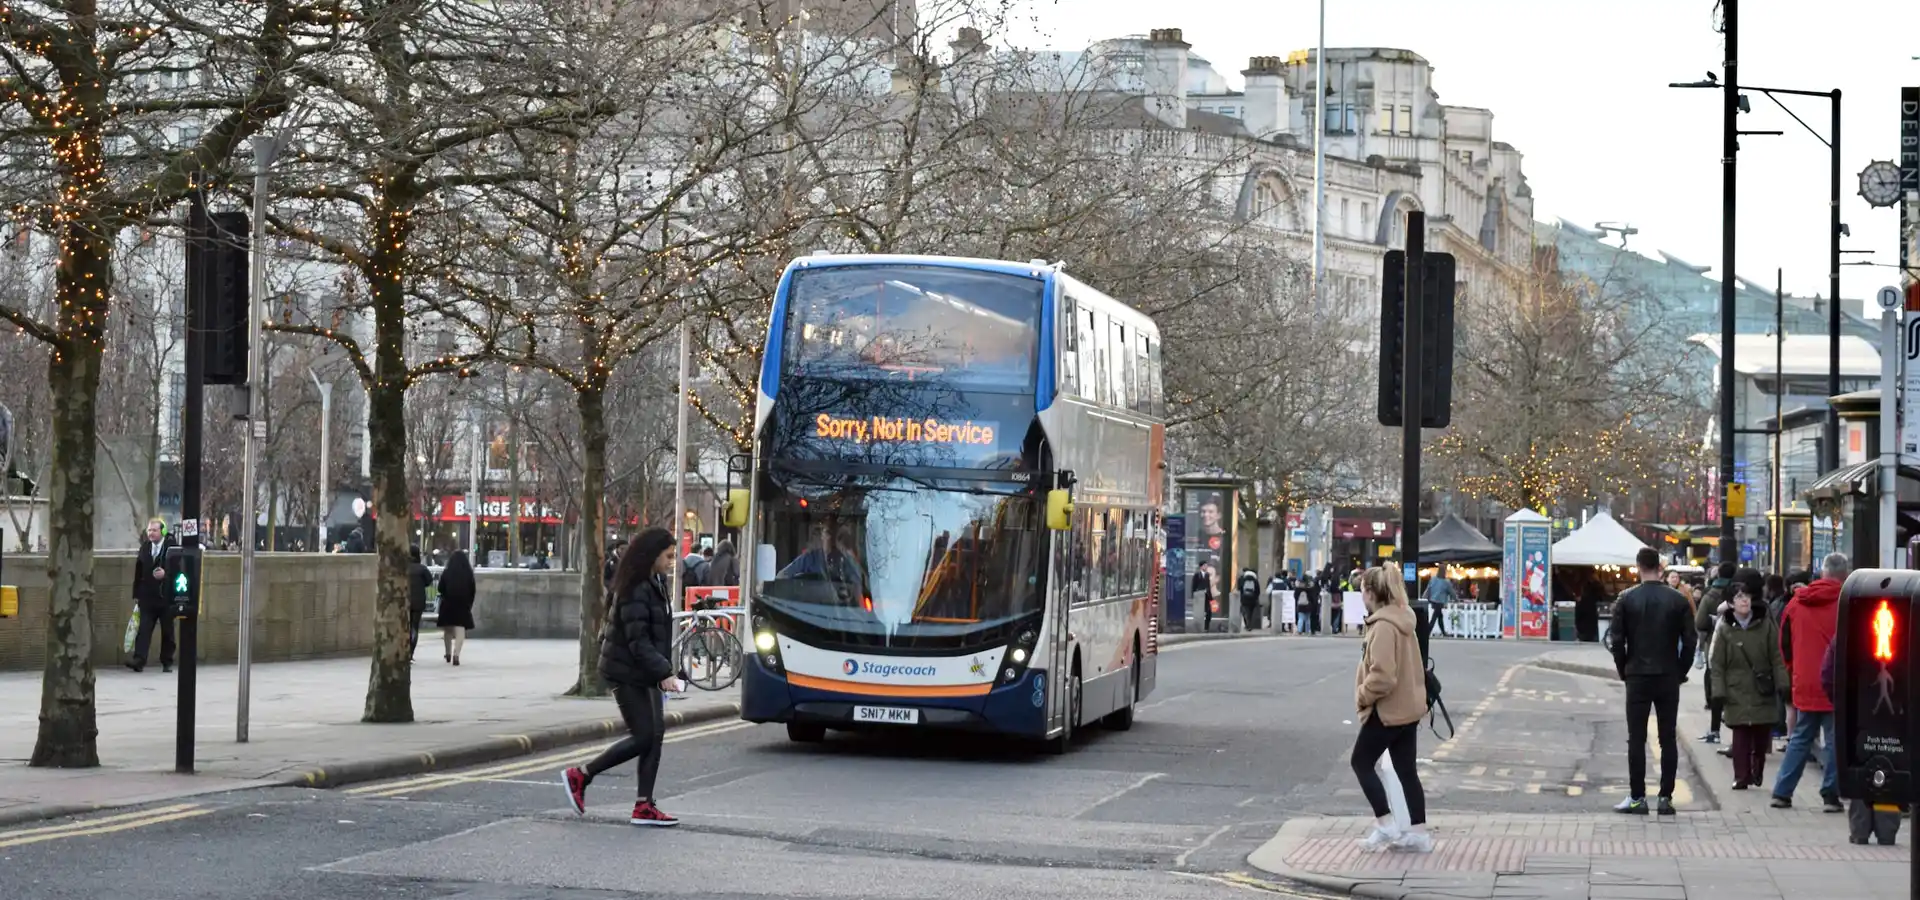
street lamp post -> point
(1733, 102)
(265, 149)
(321, 507)
(1729, 190)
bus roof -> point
(1005, 267)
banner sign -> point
(1909, 161)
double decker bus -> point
(953, 503)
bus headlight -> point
(763, 642)
(1015, 666)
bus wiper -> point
(903, 476)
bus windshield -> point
(900, 561)
(965, 328)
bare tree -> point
(1567, 396)
(634, 210)
(92, 134)
(412, 125)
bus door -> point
(1059, 639)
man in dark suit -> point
(152, 594)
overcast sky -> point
(1580, 88)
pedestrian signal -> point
(180, 584)
(1873, 685)
(1883, 632)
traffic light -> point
(1872, 684)
(1436, 333)
(217, 292)
(184, 564)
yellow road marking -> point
(1245, 882)
(103, 820)
(91, 829)
(525, 767)
(1574, 790)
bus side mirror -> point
(1059, 509)
(735, 515)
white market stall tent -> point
(1603, 541)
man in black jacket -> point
(1652, 640)
(152, 594)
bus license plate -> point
(889, 715)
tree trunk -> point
(390, 684)
(593, 535)
(1282, 535)
(68, 736)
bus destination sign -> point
(882, 429)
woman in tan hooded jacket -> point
(1390, 696)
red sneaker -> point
(645, 813)
(575, 781)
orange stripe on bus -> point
(888, 690)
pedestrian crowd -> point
(1762, 646)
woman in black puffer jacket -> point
(635, 649)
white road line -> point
(1118, 794)
(1181, 860)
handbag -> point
(133, 632)
(1762, 675)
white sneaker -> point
(1380, 837)
(1414, 842)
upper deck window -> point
(963, 328)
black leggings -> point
(1397, 741)
(640, 708)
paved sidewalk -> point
(504, 700)
(1730, 846)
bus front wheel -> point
(806, 732)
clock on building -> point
(1880, 183)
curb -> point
(42, 813)
(1271, 858)
(1601, 672)
(497, 748)
(1194, 637)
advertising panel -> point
(1209, 541)
(1176, 570)
(1536, 577)
(1509, 569)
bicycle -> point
(707, 650)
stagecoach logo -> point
(1039, 690)
(886, 670)
(977, 668)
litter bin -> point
(1563, 629)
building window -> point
(1384, 124)
(1346, 224)
(1405, 123)
(1342, 118)
(1366, 218)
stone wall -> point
(521, 604)
(310, 605)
